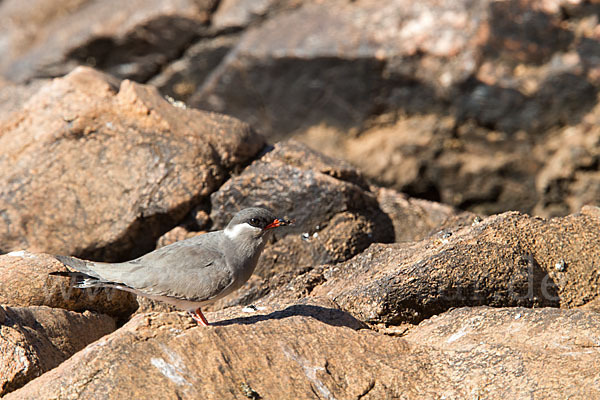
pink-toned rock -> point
(304, 352)
(101, 172)
(34, 340)
(505, 260)
(416, 219)
(132, 39)
(25, 281)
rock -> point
(25, 281)
(12, 96)
(416, 219)
(463, 120)
(299, 352)
(336, 215)
(232, 14)
(570, 177)
(506, 260)
(181, 78)
(101, 173)
(133, 43)
(516, 352)
(313, 51)
(318, 308)
(34, 340)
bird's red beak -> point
(276, 222)
(279, 222)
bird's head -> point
(253, 224)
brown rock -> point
(463, 120)
(133, 42)
(506, 260)
(313, 51)
(570, 177)
(467, 167)
(416, 219)
(34, 340)
(101, 173)
(12, 96)
(336, 214)
(515, 353)
(241, 13)
(301, 353)
(24, 281)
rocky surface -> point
(50, 38)
(473, 105)
(24, 282)
(101, 171)
(416, 219)
(460, 114)
(505, 260)
(34, 340)
(404, 275)
(304, 354)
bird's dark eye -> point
(254, 221)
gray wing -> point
(193, 269)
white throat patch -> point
(240, 229)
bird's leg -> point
(198, 317)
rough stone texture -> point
(517, 353)
(233, 14)
(452, 101)
(311, 53)
(470, 103)
(300, 352)
(12, 96)
(506, 260)
(131, 39)
(571, 176)
(416, 219)
(34, 340)
(101, 173)
(336, 214)
(468, 167)
(24, 281)
(181, 78)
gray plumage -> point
(190, 272)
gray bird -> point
(188, 273)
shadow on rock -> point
(330, 316)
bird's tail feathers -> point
(83, 275)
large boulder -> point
(101, 171)
(515, 353)
(506, 260)
(25, 281)
(451, 101)
(416, 219)
(34, 340)
(302, 352)
(131, 39)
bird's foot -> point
(198, 317)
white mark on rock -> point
(310, 372)
(169, 370)
(457, 335)
(21, 253)
(174, 369)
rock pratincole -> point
(189, 273)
